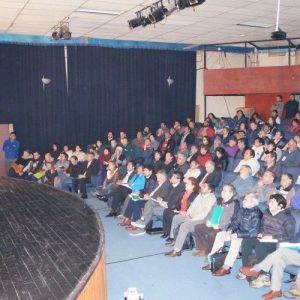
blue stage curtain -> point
(109, 89)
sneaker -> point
(292, 293)
(260, 281)
(137, 232)
(138, 224)
(240, 276)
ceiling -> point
(213, 22)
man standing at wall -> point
(11, 148)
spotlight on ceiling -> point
(187, 3)
(157, 15)
(61, 31)
(139, 21)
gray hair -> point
(253, 197)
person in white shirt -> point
(193, 171)
(248, 160)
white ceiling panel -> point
(211, 22)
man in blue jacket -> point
(11, 148)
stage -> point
(52, 244)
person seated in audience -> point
(297, 117)
(156, 205)
(264, 133)
(269, 148)
(291, 156)
(264, 188)
(187, 220)
(160, 135)
(217, 143)
(168, 144)
(213, 119)
(286, 188)
(241, 134)
(193, 154)
(176, 136)
(279, 140)
(188, 137)
(257, 119)
(99, 148)
(57, 174)
(103, 161)
(204, 156)
(225, 135)
(194, 171)
(122, 135)
(120, 159)
(113, 146)
(219, 218)
(183, 149)
(127, 149)
(278, 105)
(270, 165)
(75, 169)
(47, 165)
(278, 225)
(180, 166)
(248, 160)
(79, 153)
(154, 142)
(243, 127)
(272, 125)
(275, 115)
(67, 150)
(163, 126)
(223, 123)
(146, 132)
(34, 166)
(206, 141)
(191, 192)
(193, 127)
(133, 206)
(55, 151)
(238, 119)
(17, 168)
(211, 174)
(134, 185)
(109, 183)
(275, 263)
(231, 148)
(205, 130)
(157, 161)
(138, 140)
(258, 148)
(221, 159)
(89, 168)
(244, 183)
(246, 224)
(122, 179)
(241, 143)
(291, 107)
(110, 137)
(169, 162)
(295, 126)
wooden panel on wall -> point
(243, 81)
(95, 288)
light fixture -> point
(157, 15)
(61, 31)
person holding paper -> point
(278, 225)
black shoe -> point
(102, 198)
(111, 214)
(84, 196)
(169, 241)
(164, 236)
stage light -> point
(157, 15)
(61, 31)
(65, 32)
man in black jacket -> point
(157, 204)
(211, 175)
